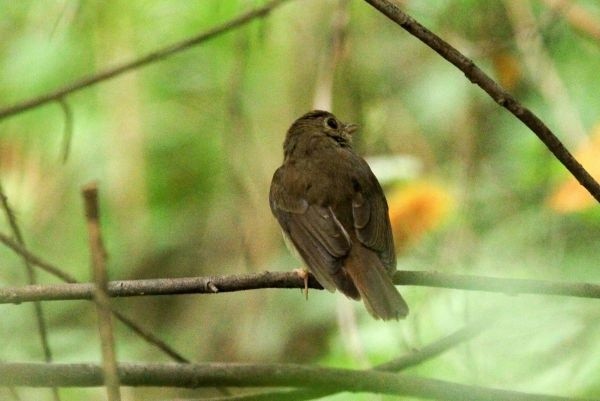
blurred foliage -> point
(184, 149)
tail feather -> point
(374, 284)
(345, 284)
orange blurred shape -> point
(570, 196)
(508, 69)
(416, 209)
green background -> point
(183, 151)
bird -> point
(333, 211)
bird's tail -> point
(374, 284)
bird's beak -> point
(350, 128)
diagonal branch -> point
(66, 277)
(256, 375)
(438, 347)
(415, 357)
(499, 94)
(36, 260)
(150, 58)
(32, 279)
(253, 281)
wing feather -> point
(314, 230)
(371, 220)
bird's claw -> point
(303, 274)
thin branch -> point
(438, 347)
(253, 281)
(501, 96)
(35, 260)
(256, 375)
(511, 286)
(277, 395)
(149, 337)
(101, 298)
(32, 280)
(404, 362)
(66, 277)
(68, 129)
(150, 58)
(167, 286)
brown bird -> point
(333, 210)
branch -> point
(32, 279)
(501, 96)
(415, 357)
(68, 129)
(66, 277)
(436, 348)
(253, 281)
(101, 298)
(256, 375)
(155, 56)
(512, 286)
(36, 260)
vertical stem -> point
(32, 279)
(101, 298)
(35, 260)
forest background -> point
(183, 150)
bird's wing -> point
(371, 220)
(314, 230)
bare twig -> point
(257, 375)
(512, 286)
(149, 337)
(436, 348)
(277, 395)
(68, 129)
(150, 58)
(166, 286)
(501, 96)
(36, 260)
(66, 277)
(253, 281)
(32, 280)
(101, 298)
(406, 361)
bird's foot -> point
(303, 274)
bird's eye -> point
(331, 123)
